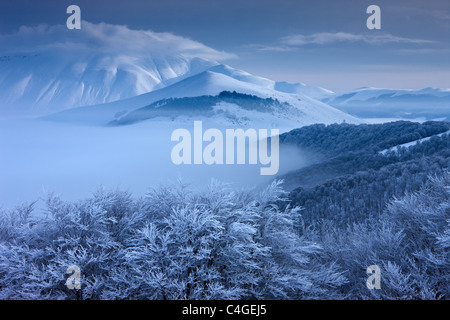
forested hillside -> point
(352, 179)
(199, 106)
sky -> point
(322, 42)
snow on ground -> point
(412, 143)
(386, 120)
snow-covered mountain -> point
(301, 88)
(102, 72)
(48, 69)
(293, 110)
(42, 83)
(281, 86)
(367, 102)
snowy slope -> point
(301, 88)
(300, 109)
(412, 143)
(41, 83)
(281, 86)
(367, 102)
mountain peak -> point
(55, 69)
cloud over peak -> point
(50, 68)
(103, 37)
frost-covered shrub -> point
(173, 244)
(424, 219)
(222, 243)
(409, 243)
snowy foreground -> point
(222, 244)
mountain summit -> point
(46, 69)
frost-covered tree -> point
(223, 243)
(424, 217)
(409, 243)
(173, 244)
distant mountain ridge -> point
(367, 102)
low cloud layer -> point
(327, 38)
(105, 37)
